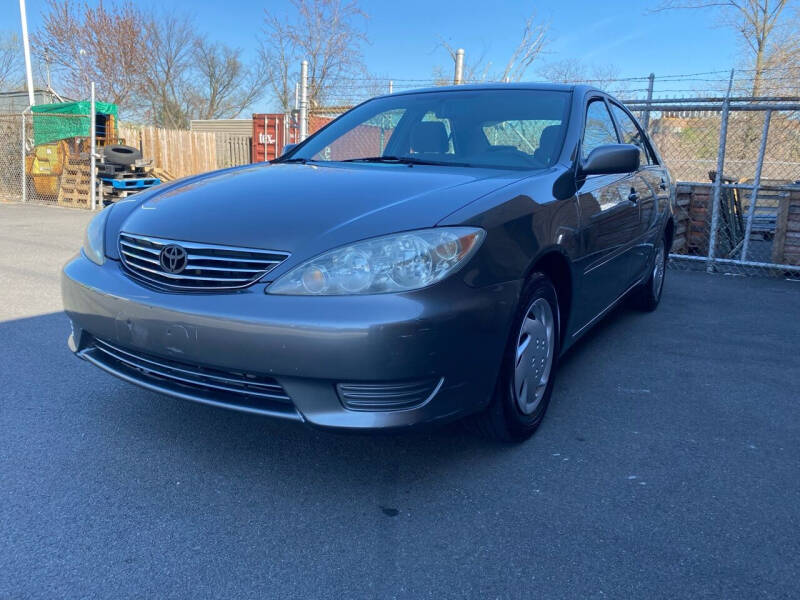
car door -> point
(609, 220)
(654, 191)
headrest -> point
(429, 137)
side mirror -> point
(288, 148)
(610, 159)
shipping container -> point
(271, 132)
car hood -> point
(291, 207)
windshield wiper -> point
(291, 160)
(406, 160)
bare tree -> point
(327, 33)
(758, 23)
(225, 86)
(782, 63)
(10, 68)
(529, 48)
(573, 70)
(165, 86)
(101, 43)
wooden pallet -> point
(786, 246)
(75, 186)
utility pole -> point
(303, 100)
(27, 49)
(458, 77)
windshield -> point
(516, 129)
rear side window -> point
(599, 128)
(631, 134)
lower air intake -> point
(402, 395)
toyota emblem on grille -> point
(173, 258)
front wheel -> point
(525, 382)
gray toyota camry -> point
(428, 256)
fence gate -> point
(737, 160)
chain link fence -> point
(737, 161)
(12, 158)
(38, 164)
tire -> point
(505, 419)
(648, 295)
(117, 154)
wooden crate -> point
(75, 186)
(786, 246)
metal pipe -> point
(743, 186)
(662, 106)
(756, 183)
(650, 84)
(26, 47)
(24, 174)
(92, 149)
(734, 261)
(303, 100)
(391, 86)
(458, 76)
(723, 133)
(721, 99)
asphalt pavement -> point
(668, 466)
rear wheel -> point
(525, 382)
(648, 295)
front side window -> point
(507, 129)
(599, 129)
(630, 133)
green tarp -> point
(53, 122)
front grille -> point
(388, 395)
(232, 387)
(207, 267)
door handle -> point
(663, 184)
(633, 196)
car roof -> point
(532, 86)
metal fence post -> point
(303, 100)
(646, 119)
(92, 151)
(756, 184)
(723, 133)
(24, 178)
(458, 76)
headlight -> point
(393, 263)
(93, 246)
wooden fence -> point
(233, 150)
(178, 153)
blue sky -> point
(404, 33)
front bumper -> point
(449, 334)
